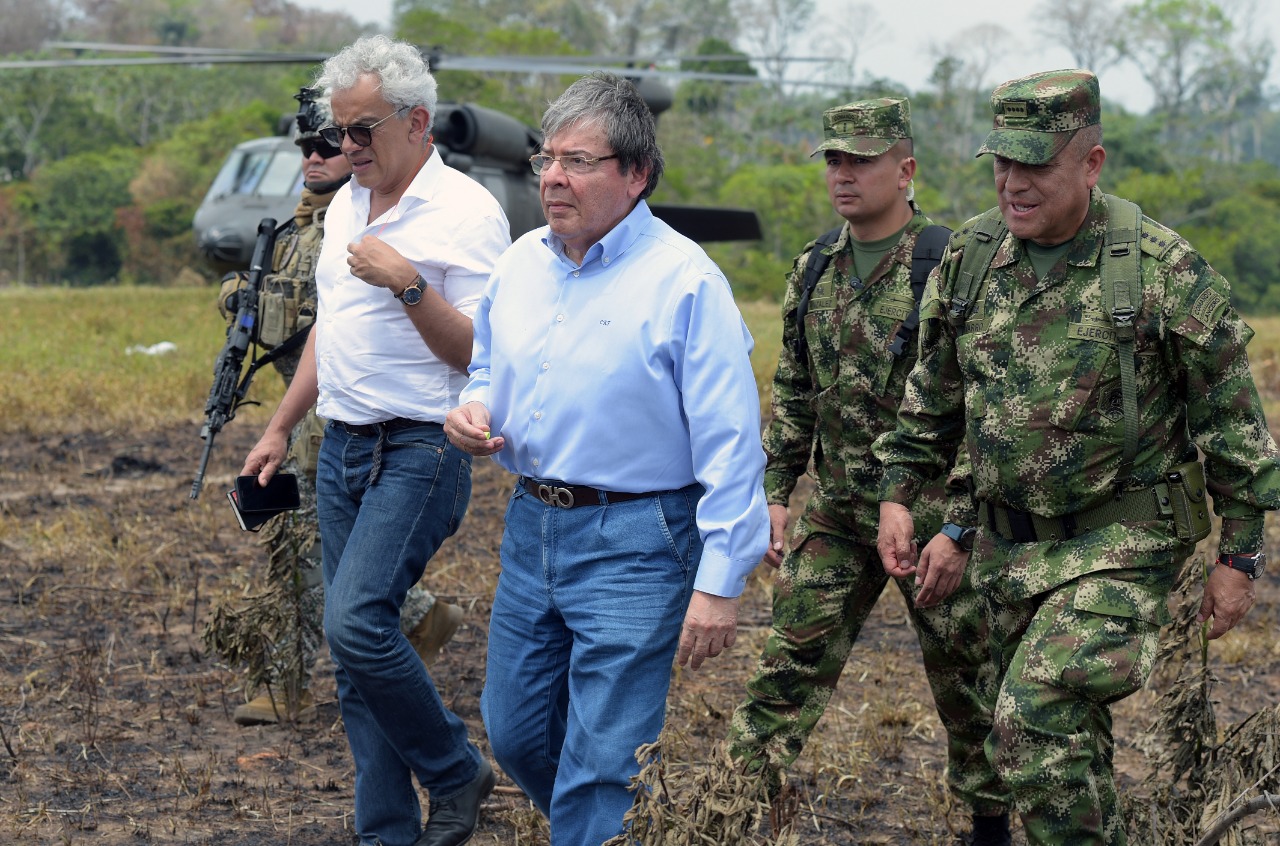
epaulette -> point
(1158, 240)
(963, 231)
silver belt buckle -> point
(559, 497)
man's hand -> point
(778, 520)
(467, 428)
(941, 568)
(374, 261)
(1228, 596)
(710, 627)
(897, 550)
(266, 457)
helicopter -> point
(263, 177)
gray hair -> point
(405, 80)
(617, 107)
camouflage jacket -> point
(828, 410)
(1030, 382)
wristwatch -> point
(412, 295)
(962, 535)
(1252, 566)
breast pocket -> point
(888, 372)
(822, 333)
(1088, 396)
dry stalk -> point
(272, 634)
(713, 803)
(1197, 783)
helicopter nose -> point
(220, 244)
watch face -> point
(962, 535)
(413, 294)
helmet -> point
(313, 113)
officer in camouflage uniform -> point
(287, 305)
(829, 403)
(1081, 391)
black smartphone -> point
(280, 494)
(254, 505)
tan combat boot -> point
(262, 710)
(434, 630)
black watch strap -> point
(962, 535)
(1252, 565)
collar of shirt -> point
(422, 188)
(614, 243)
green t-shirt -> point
(867, 254)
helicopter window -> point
(240, 174)
(281, 174)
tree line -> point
(101, 169)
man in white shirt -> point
(408, 248)
(612, 371)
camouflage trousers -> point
(293, 539)
(1065, 655)
(824, 591)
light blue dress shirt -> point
(632, 373)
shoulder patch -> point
(1208, 307)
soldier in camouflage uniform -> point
(829, 403)
(287, 305)
(1081, 392)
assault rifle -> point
(229, 387)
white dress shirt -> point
(371, 362)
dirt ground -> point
(115, 719)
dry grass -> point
(67, 366)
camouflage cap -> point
(1036, 116)
(865, 128)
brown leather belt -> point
(1026, 527)
(561, 495)
(372, 430)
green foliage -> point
(708, 96)
(794, 197)
(74, 202)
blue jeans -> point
(375, 540)
(584, 627)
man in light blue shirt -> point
(611, 372)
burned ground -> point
(115, 719)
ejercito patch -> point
(1092, 330)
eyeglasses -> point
(361, 136)
(578, 165)
(319, 146)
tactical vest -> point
(288, 299)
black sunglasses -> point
(323, 148)
(361, 136)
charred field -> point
(115, 718)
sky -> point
(905, 50)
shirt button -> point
(537, 463)
(559, 318)
(575, 274)
(537, 415)
(606, 259)
(546, 365)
